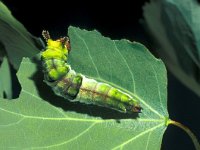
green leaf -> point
(38, 119)
(15, 39)
(175, 28)
(5, 79)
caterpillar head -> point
(61, 43)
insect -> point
(73, 86)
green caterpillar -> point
(67, 83)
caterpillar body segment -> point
(67, 83)
(103, 94)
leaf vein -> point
(158, 87)
(42, 100)
(148, 140)
(13, 123)
(132, 76)
(68, 141)
(95, 67)
(137, 136)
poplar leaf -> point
(39, 119)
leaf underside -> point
(174, 26)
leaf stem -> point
(188, 131)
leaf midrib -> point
(76, 119)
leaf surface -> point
(38, 119)
(5, 79)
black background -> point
(119, 20)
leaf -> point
(175, 28)
(35, 121)
(5, 79)
(15, 39)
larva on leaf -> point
(73, 86)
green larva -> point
(74, 86)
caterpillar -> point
(73, 86)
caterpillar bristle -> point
(46, 35)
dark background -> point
(121, 20)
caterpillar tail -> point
(66, 83)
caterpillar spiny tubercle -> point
(73, 86)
